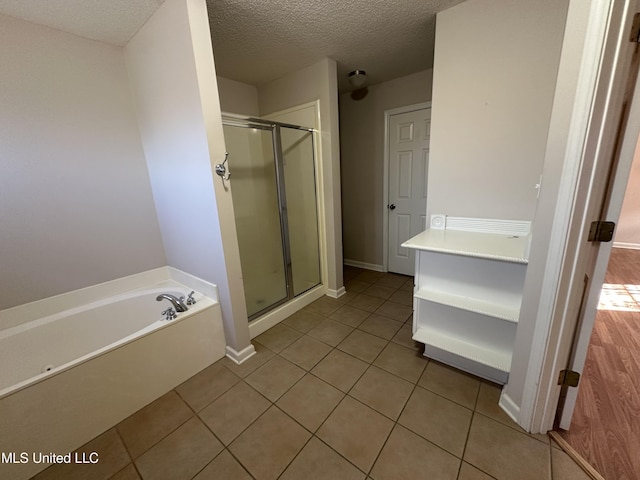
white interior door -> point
(408, 155)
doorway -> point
(605, 428)
(275, 209)
(605, 425)
(406, 175)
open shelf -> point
(469, 282)
(488, 363)
(484, 307)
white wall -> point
(170, 62)
(496, 73)
(75, 201)
(238, 97)
(494, 77)
(317, 82)
(362, 161)
(628, 227)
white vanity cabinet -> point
(467, 296)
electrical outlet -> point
(438, 221)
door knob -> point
(392, 206)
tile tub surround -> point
(309, 408)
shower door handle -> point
(392, 206)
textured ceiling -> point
(111, 21)
(256, 41)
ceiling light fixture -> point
(358, 78)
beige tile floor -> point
(337, 391)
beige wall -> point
(75, 202)
(238, 97)
(170, 61)
(317, 82)
(495, 69)
(362, 162)
(628, 228)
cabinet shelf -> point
(491, 309)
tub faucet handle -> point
(169, 314)
(190, 299)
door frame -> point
(594, 112)
(385, 181)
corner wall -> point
(238, 97)
(75, 201)
(170, 62)
(362, 162)
(317, 82)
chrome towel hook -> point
(221, 170)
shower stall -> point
(276, 209)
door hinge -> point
(568, 378)
(635, 29)
(601, 231)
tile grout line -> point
(345, 394)
(395, 423)
(196, 415)
(550, 460)
(193, 414)
(466, 440)
(273, 403)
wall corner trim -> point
(241, 356)
(510, 407)
(336, 293)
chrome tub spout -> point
(178, 303)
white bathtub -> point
(68, 376)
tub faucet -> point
(178, 303)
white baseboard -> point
(367, 266)
(632, 246)
(242, 355)
(336, 293)
(510, 407)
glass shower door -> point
(257, 215)
(302, 210)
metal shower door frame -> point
(252, 122)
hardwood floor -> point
(605, 428)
